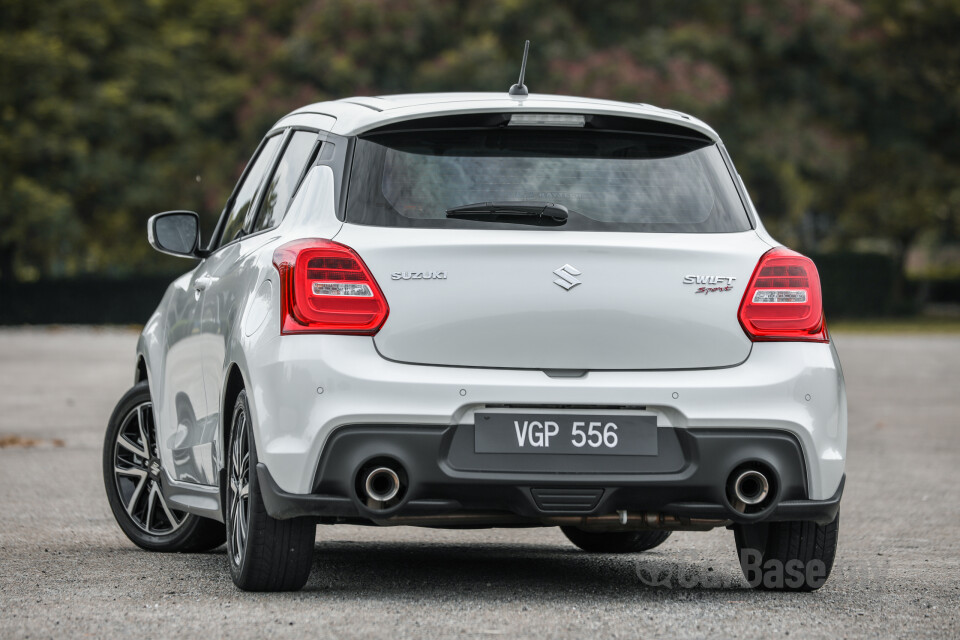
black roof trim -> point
(593, 122)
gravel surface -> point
(67, 570)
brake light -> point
(326, 288)
(783, 301)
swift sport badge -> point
(710, 284)
(566, 279)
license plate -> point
(563, 433)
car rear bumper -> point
(306, 389)
(442, 476)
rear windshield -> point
(609, 181)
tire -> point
(131, 477)
(265, 554)
(787, 556)
(615, 541)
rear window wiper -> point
(541, 214)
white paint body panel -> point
(766, 392)
(498, 305)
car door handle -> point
(203, 282)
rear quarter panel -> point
(244, 312)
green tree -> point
(840, 114)
(108, 108)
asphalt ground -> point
(67, 570)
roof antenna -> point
(520, 89)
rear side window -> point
(285, 179)
(609, 181)
(241, 213)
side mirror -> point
(176, 233)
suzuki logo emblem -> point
(566, 279)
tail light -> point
(326, 288)
(783, 301)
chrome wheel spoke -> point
(131, 447)
(238, 528)
(136, 496)
(245, 469)
(235, 455)
(151, 500)
(141, 426)
(239, 539)
(172, 519)
(132, 472)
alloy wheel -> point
(239, 488)
(136, 470)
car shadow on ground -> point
(443, 570)
(490, 573)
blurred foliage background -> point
(842, 115)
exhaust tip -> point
(382, 484)
(751, 487)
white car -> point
(482, 310)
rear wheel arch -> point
(235, 383)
